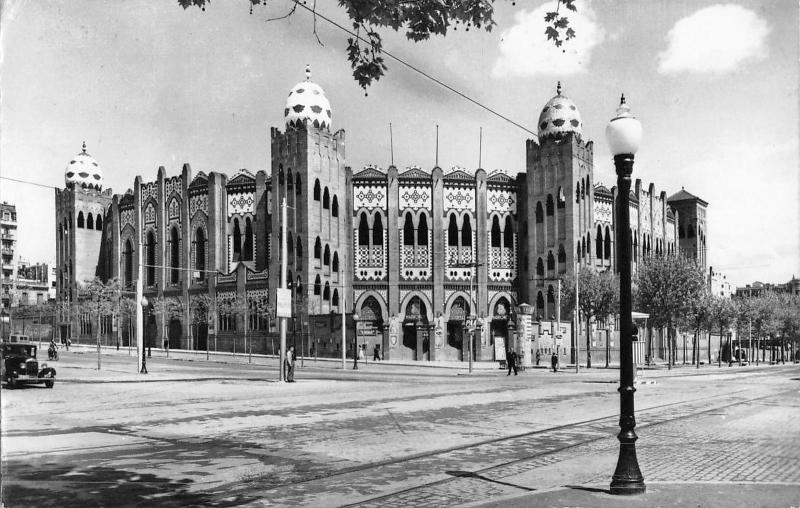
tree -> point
(666, 287)
(419, 20)
(263, 310)
(698, 319)
(167, 307)
(127, 307)
(598, 298)
(722, 315)
(99, 299)
(789, 321)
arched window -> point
(496, 232)
(326, 295)
(98, 224)
(299, 250)
(551, 302)
(422, 231)
(607, 244)
(635, 249)
(151, 258)
(377, 231)
(589, 245)
(174, 256)
(80, 220)
(297, 186)
(508, 234)
(335, 264)
(562, 257)
(540, 305)
(577, 192)
(317, 248)
(326, 199)
(583, 189)
(326, 257)
(539, 213)
(335, 207)
(317, 190)
(466, 233)
(551, 261)
(89, 221)
(317, 286)
(583, 248)
(200, 253)
(549, 205)
(289, 180)
(408, 230)
(540, 267)
(289, 248)
(598, 248)
(127, 260)
(237, 241)
(363, 230)
(247, 255)
(335, 298)
(452, 232)
(280, 175)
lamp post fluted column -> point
(624, 134)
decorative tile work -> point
(241, 203)
(427, 292)
(255, 294)
(125, 218)
(226, 295)
(358, 293)
(416, 263)
(150, 214)
(415, 197)
(501, 201)
(198, 203)
(369, 197)
(149, 190)
(262, 275)
(172, 185)
(459, 198)
(371, 263)
(603, 212)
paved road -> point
(226, 435)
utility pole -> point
(282, 285)
(344, 323)
(577, 321)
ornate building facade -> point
(411, 252)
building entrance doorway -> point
(416, 334)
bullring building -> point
(410, 251)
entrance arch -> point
(416, 341)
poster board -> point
(499, 349)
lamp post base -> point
(627, 479)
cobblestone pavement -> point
(388, 440)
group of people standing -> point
(512, 358)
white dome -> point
(307, 101)
(84, 171)
(560, 116)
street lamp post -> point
(355, 340)
(472, 317)
(624, 134)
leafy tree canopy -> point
(667, 288)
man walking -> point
(289, 365)
(511, 360)
(376, 353)
(554, 362)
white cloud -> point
(525, 50)
(716, 39)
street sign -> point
(284, 299)
(470, 322)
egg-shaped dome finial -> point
(83, 171)
(559, 117)
(307, 103)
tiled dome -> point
(83, 171)
(560, 116)
(307, 101)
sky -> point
(148, 84)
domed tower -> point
(309, 170)
(82, 214)
(559, 202)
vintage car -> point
(20, 366)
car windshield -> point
(19, 350)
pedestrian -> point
(511, 360)
(68, 343)
(554, 362)
(289, 365)
(538, 357)
(361, 354)
(376, 353)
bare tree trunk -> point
(588, 341)
(97, 335)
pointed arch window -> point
(98, 224)
(466, 233)
(200, 253)
(377, 231)
(317, 286)
(549, 205)
(317, 190)
(175, 256)
(289, 248)
(289, 180)
(247, 254)
(299, 250)
(297, 186)
(335, 264)
(80, 220)
(577, 192)
(422, 230)
(150, 250)
(326, 199)
(237, 241)
(317, 249)
(335, 298)
(562, 258)
(326, 294)
(539, 213)
(326, 257)
(280, 175)
(496, 232)
(89, 221)
(363, 230)
(551, 262)
(540, 268)
(408, 230)
(127, 259)
(598, 250)
(607, 244)
(452, 232)
(508, 234)
(335, 207)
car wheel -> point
(49, 384)
(11, 383)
